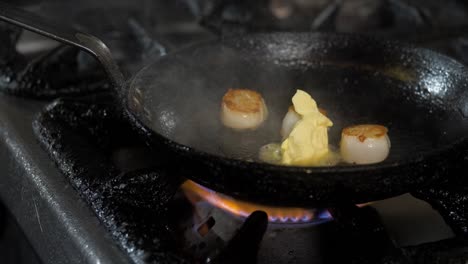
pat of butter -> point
(307, 144)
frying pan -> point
(421, 96)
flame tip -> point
(244, 209)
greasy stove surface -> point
(58, 223)
(51, 212)
(86, 194)
(134, 193)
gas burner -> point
(238, 208)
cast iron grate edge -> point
(132, 204)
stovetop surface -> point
(135, 216)
(61, 225)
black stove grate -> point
(50, 75)
(402, 16)
(136, 222)
(133, 196)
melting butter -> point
(307, 144)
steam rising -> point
(183, 92)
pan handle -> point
(83, 41)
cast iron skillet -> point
(421, 96)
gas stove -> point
(84, 187)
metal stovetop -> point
(63, 229)
(59, 225)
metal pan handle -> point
(83, 41)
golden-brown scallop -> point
(364, 144)
(243, 109)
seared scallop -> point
(289, 121)
(243, 109)
(364, 144)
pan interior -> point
(419, 95)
